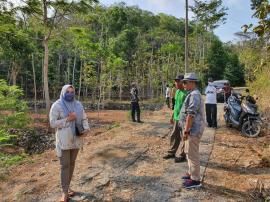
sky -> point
(239, 13)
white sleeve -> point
(55, 119)
(205, 92)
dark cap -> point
(210, 79)
(179, 78)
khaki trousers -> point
(175, 140)
(193, 156)
(67, 163)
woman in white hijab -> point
(68, 117)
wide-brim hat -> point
(190, 77)
(179, 78)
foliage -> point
(262, 11)
(10, 97)
(13, 115)
(257, 50)
(260, 88)
(217, 60)
(103, 50)
(9, 160)
(210, 14)
(234, 71)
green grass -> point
(115, 125)
(7, 160)
(5, 137)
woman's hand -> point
(72, 116)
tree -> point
(102, 51)
(217, 60)
(209, 14)
(50, 14)
(234, 71)
(15, 44)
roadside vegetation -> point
(13, 116)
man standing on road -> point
(176, 136)
(211, 104)
(135, 107)
(192, 121)
(168, 95)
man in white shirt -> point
(168, 95)
(211, 104)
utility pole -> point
(186, 38)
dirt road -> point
(122, 163)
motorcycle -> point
(242, 112)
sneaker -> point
(180, 159)
(186, 177)
(169, 156)
(188, 184)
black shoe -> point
(169, 156)
(180, 159)
(139, 121)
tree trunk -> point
(42, 77)
(186, 38)
(120, 91)
(203, 51)
(80, 82)
(45, 75)
(73, 72)
(59, 70)
(34, 80)
(110, 86)
(68, 71)
(150, 74)
(14, 73)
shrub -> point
(13, 115)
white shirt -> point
(211, 94)
(168, 92)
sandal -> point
(71, 193)
(65, 200)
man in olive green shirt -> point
(175, 138)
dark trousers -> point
(173, 103)
(135, 109)
(168, 102)
(176, 137)
(211, 114)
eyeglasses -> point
(185, 82)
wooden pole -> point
(186, 38)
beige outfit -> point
(193, 156)
(193, 106)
